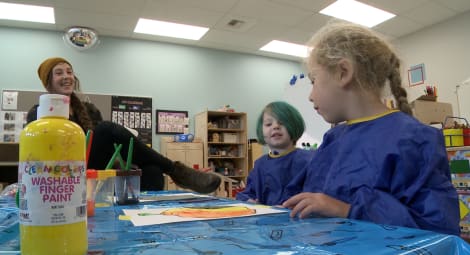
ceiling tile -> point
(398, 26)
(115, 7)
(314, 6)
(395, 6)
(94, 20)
(258, 34)
(313, 22)
(270, 11)
(210, 5)
(294, 35)
(429, 14)
(456, 5)
(167, 10)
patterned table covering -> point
(110, 233)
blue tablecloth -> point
(266, 234)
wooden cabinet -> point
(255, 151)
(190, 154)
(224, 136)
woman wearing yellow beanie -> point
(57, 76)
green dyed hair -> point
(286, 114)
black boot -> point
(189, 178)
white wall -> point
(445, 50)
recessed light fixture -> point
(357, 12)
(25, 12)
(286, 48)
(162, 28)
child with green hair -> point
(279, 174)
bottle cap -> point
(53, 105)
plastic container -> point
(128, 186)
(52, 182)
(104, 192)
(458, 134)
(466, 136)
(453, 137)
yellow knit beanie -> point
(46, 67)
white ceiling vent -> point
(236, 24)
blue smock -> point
(391, 169)
(275, 179)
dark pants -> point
(153, 164)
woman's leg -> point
(152, 178)
(106, 134)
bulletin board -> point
(135, 113)
(296, 93)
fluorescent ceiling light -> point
(286, 48)
(357, 12)
(25, 12)
(155, 27)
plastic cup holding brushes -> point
(100, 183)
(127, 185)
(100, 189)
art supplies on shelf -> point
(456, 133)
(430, 94)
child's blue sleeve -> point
(249, 192)
(419, 191)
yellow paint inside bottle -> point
(53, 139)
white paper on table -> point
(167, 197)
(153, 216)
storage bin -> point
(453, 137)
(458, 135)
(466, 137)
(229, 138)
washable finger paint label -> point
(52, 192)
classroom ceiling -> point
(263, 20)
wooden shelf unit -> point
(225, 142)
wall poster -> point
(172, 122)
(416, 75)
(135, 113)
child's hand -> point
(305, 204)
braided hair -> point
(375, 62)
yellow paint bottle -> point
(52, 182)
